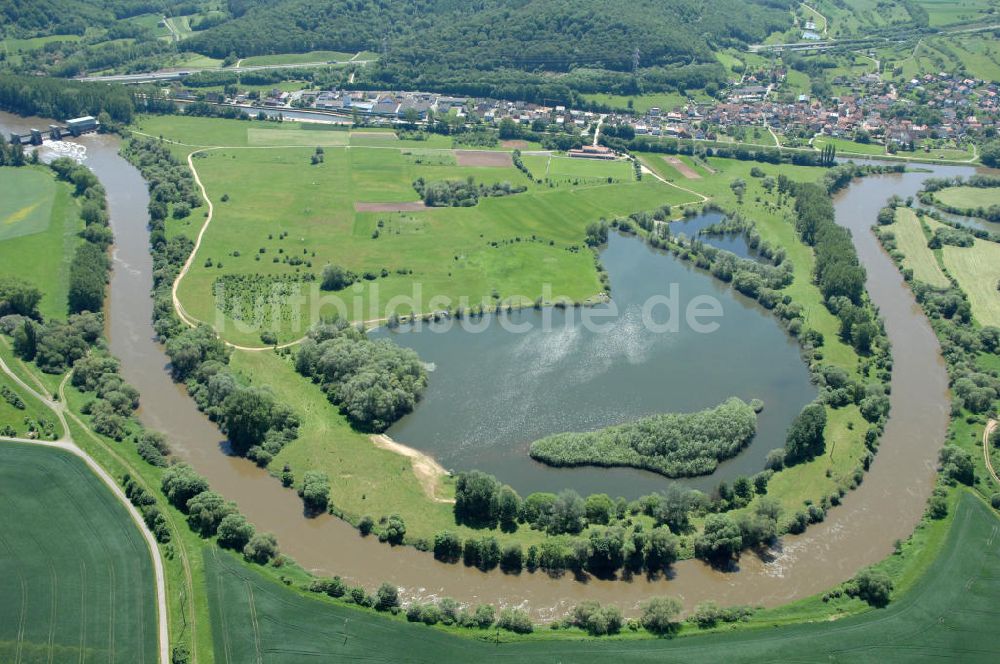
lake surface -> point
(857, 533)
(493, 391)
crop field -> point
(39, 221)
(912, 242)
(75, 573)
(977, 270)
(948, 613)
(948, 12)
(285, 218)
(969, 197)
(257, 137)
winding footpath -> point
(66, 444)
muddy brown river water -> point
(859, 532)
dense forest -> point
(437, 44)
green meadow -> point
(849, 147)
(285, 218)
(947, 610)
(977, 270)
(39, 222)
(912, 242)
(296, 58)
(75, 573)
(969, 197)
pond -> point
(493, 391)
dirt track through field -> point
(483, 158)
(683, 168)
(412, 206)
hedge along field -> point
(39, 222)
(303, 217)
(948, 613)
(912, 242)
(977, 269)
(75, 573)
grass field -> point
(75, 573)
(849, 147)
(948, 613)
(39, 221)
(977, 270)
(296, 58)
(509, 245)
(665, 101)
(257, 136)
(969, 197)
(910, 240)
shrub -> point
(597, 620)
(386, 597)
(658, 615)
(235, 532)
(515, 620)
(315, 491)
(261, 549)
(181, 483)
(872, 586)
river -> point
(859, 532)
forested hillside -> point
(493, 46)
(31, 18)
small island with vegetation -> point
(675, 445)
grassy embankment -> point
(75, 572)
(39, 222)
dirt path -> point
(990, 426)
(428, 471)
(682, 168)
(648, 171)
(66, 444)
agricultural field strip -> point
(189, 320)
(67, 445)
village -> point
(940, 109)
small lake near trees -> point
(500, 383)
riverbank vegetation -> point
(675, 445)
(970, 344)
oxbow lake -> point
(493, 391)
